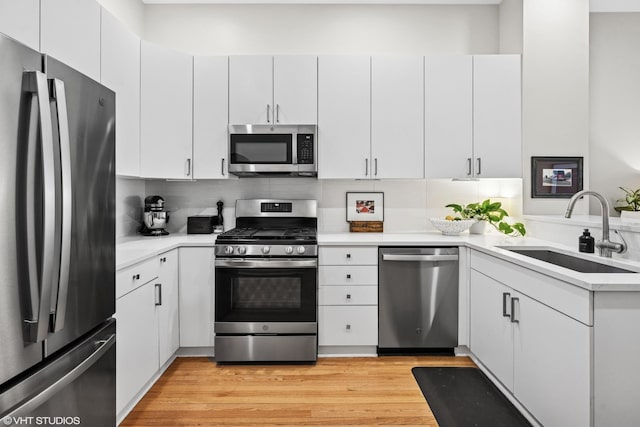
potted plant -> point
(630, 210)
(489, 212)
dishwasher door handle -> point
(418, 257)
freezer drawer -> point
(418, 298)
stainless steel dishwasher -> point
(417, 299)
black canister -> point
(586, 243)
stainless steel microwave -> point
(285, 150)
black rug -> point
(466, 397)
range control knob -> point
(228, 250)
(288, 250)
(266, 249)
(300, 249)
(242, 250)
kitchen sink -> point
(561, 259)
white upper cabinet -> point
(473, 117)
(210, 116)
(268, 89)
(448, 116)
(497, 118)
(166, 113)
(397, 142)
(344, 116)
(70, 32)
(120, 70)
(295, 89)
(21, 20)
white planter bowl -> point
(451, 228)
(630, 217)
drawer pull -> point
(136, 277)
(348, 327)
(348, 296)
(348, 276)
(348, 256)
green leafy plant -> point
(631, 198)
(491, 212)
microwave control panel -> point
(305, 148)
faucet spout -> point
(606, 247)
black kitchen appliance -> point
(201, 224)
(266, 283)
(154, 217)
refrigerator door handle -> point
(40, 276)
(33, 403)
(59, 300)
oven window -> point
(261, 148)
(266, 295)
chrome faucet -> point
(606, 247)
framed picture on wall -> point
(365, 206)
(556, 177)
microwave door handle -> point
(39, 277)
(59, 304)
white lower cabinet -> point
(196, 296)
(541, 355)
(348, 296)
(147, 325)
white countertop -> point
(133, 250)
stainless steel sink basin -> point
(568, 261)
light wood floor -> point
(333, 392)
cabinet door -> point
(448, 116)
(552, 364)
(295, 89)
(491, 333)
(397, 116)
(70, 32)
(251, 89)
(167, 305)
(344, 109)
(21, 20)
(120, 71)
(137, 350)
(166, 113)
(497, 122)
(210, 116)
(196, 297)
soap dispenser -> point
(586, 243)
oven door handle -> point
(267, 263)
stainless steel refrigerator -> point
(57, 243)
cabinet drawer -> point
(348, 295)
(137, 275)
(348, 275)
(346, 255)
(346, 325)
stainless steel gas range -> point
(266, 283)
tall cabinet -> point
(273, 89)
(166, 107)
(473, 117)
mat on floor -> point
(466, 397)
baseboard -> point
(196, 352)
(347, 351)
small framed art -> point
(556, 177)
(365, 206)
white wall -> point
(510, 17)
(555, 76)
(615, 104)
(130, 12)
(323, 29)
(129, 205)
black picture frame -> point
(556, 177)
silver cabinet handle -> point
(479, 164)
(514, 319)
(268, 113)
(158, 293)
(505, 297)
(39, 277)
(469, 166)
(375, 166)
(222, 167)
(277, 113)
(188, 168)
(419, 258)
(64, 225)
(366, 167)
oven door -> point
(266, 296)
